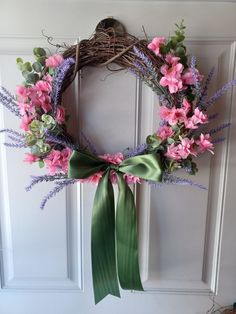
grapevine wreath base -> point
(164, 66)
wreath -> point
(165, 67)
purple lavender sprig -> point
(171, 179)
(15, 145)
(143, 57)
(8, 101)
(164, 101)
(138, 150)
(19, 135)
(59, 186)
(88, 143)
(44, 178)
(213, 116)
(219, 128)
(58, 80)
(139, 67)
(204, 91)
(218, 140)
(220, 92)
(59, 140)
(8, 93)
(194, 73)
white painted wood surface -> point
(187, 247)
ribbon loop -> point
(114, 244)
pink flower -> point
(94, 178)
(60, 115)
(188, 78)
(164, 132)
(130, 179)
(198, 118)
(189, 124)
(25, 122)
(58, 160)
(173, 152)
(166, 113)
(22, 93)
(115, 159)
(30, 158)
(54, 61)
(172, 77)
(48, 78)
(204, 143)
(43, 86)
(186, 148)
(172, 115)
(186, 105)
(155, 45)
(46, 106)
(171, 59)
(179, 116)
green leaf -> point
(180, 51)
(30, 139)
(170, 140)
(175, 128)
(39, 52)
(37, 66)
(48, 121)
(20, 66)
(37, 128)
(180, 37)
(41, 60)
(41, 163)
(51, 71)
(32, 78)
(25, 74)
(27, 67)
(19, 60)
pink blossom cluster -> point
(181, 115)
(34, 99)
(115, 159)
(175, 77)
(189, 147)
(57, 161)
(185, 119)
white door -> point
(187, 236)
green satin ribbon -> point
(114, 241)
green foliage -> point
(48, 122)
(37, 66)
(41, 163)
(32, 72)
(153, 142)
(175, 44)
(39, 52)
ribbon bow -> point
(114, 243)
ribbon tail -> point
(126, 238)
(104, 270)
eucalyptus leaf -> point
(170, 140)
(39, 52)
(41, 60)
(180, 51)
(27, 67)
(41, 163)
(37, 66)
(19, 60)
(30, 139)
(32, 78)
